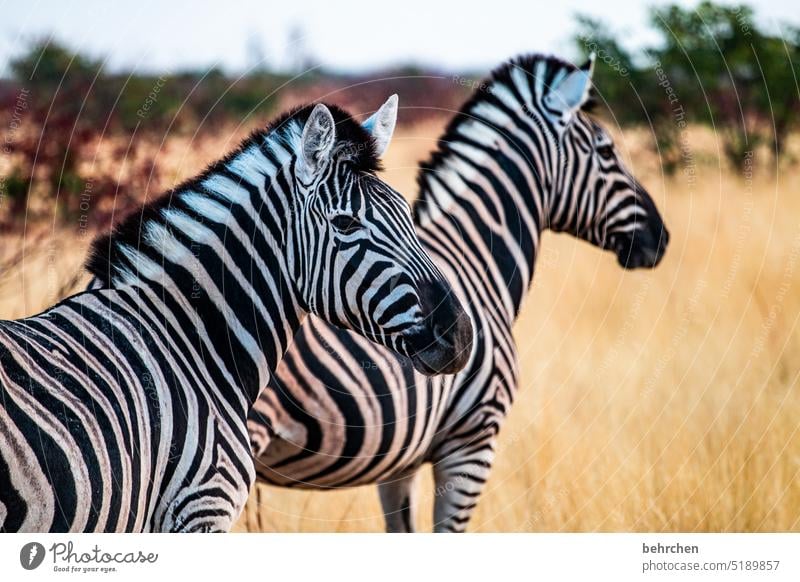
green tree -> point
(708, 56)
(60, 122)
(713, 65)
(616, 76)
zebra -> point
(522, 155)
(124, 408)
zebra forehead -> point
(586, 127)
(374, 191)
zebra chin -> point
(435, 361)
(442, 342)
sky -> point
(344, 35)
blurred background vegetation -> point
(711, 66)
(665, 400)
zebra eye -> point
(606, 152)
(346, 224)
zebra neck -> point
(481, 195)
(215, 250)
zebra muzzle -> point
(442, 342)
(643, 248)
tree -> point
(713, 65)
(57, 123)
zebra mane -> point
(502, 74)
(353, 143)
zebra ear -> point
(572, 91)
(381, 124)
(319, 135)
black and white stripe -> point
(124, 408)
(521, 156)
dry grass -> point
(664, 400)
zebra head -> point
(594, 196)
(357, 260)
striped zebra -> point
(521, 156)
(125, 408)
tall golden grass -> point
(662, 400)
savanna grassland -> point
(661, 400)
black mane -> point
(352, 140)
(501, 74)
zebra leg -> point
(458, 480)
(399, 502)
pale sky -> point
(346, 35)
